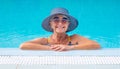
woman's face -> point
(59, 23)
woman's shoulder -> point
(78, 37)
(75, 36)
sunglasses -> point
(57, 20)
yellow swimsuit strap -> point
(69, 39)
(48, 39)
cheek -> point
(67, 25)
(52, 26)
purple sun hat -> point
(73, 22)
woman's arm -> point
(82, 44)
(85, 44)
(37, 44)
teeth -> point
(60, 27)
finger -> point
(62, 49)
(54, 46)
(51, 46)
(56, 49)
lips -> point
(60, 27)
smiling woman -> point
(60, 22)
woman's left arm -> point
(84, 43)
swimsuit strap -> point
(69, 39)
(48, 39)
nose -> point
(60, 22)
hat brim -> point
(46, 23)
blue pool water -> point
(20, 20)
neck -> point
(59, 37)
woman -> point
(60, 22)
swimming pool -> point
(20, 21)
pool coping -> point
(100, 52)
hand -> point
(61, 47)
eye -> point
(55, 17)
(64, 21)
(56, 20)
(65, 18)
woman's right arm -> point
(37, 44)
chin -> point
(61, 31)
